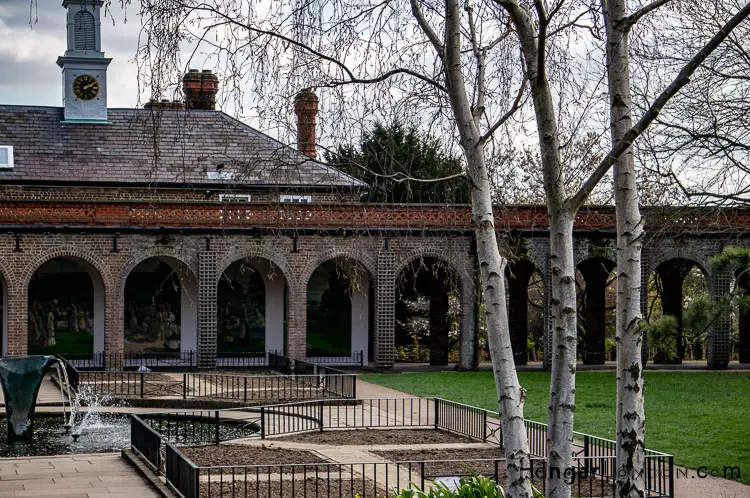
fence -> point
(367, 479)
(594, 462)
(184, 360)
(324, 383)
(187, 360)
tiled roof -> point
(154, 146)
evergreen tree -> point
(389, 155)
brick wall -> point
(207, 259)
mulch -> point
(240, 454)
(300, 487)
(584, 485)
(377, 436)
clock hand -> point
(86, 87)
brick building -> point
(177, 228)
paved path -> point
(71, 476)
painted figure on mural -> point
(73, 318)
(51, 328)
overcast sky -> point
(29, 74)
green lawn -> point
(702, 418)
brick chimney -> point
(306, 108)
(209, 88)
(200, 89)
(191, 87)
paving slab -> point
(87, 476)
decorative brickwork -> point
(207, 294)
(718, 335)
(352, 216)
(112, 257)
(385, 309)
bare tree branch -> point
(682, 79)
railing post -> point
(142, 384)
(197, 481)
(671, 476)
(218, 438)
(484, 426)
(586, 453)
(262, 422)
(245, 389)
(184, 386)
(320, 414)
(437, 412)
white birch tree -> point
(532, 21)
(457, 63)
(449, 60)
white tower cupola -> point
(84, 67)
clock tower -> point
(84, 67)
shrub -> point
(476, 487)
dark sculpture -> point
(21, 378)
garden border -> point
(596, 456)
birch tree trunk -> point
(560, 412)
(511, 395)
(631, 416)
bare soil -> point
(300, 487)
(377, 436)
(240, 454)
(583, 485)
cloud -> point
(29, 74)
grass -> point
(699, 417)
(67, 342)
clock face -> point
(86, 87)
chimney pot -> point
(192, 86)
(209, 88)
(306, 109)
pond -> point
(103, 432)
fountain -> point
(21, 378)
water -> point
(104, 432)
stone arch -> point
(180, 264)
(465, 285)
(742, 281)
(595, 271)
(359, 303)
(460, 270)
(7, 285)
(273, 307)
(181, 257)
(67, 252)
(101, 279)
(666, 255)
(585, 251)
(672, 269)
(255, 252)
(347, 253)
(518, 276)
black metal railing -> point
(187, 360)
(146, 441)
(370, 479)
(182, 360)
(299, 380)
(181, 473)
(357, 358)
(226, 387)
(594, 464)
(244, 361)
